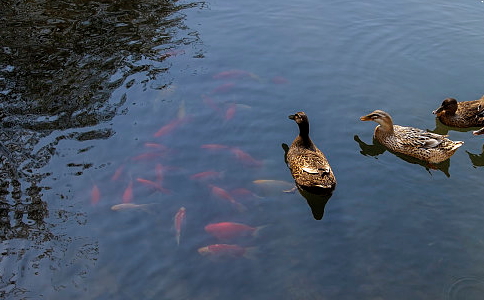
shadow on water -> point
(60, 61)
(376, 149)
(317, 202)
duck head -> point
(449, 106)
(302, 121)
(381, 117)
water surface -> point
(87, 85)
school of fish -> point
(231, 239)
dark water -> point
(87, 85)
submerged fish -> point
(152, 184)
(117, 173)
(227, 251)
(206, 175)
(131, 206)
(245, 157)
(128, 193)
(168, 127)
(179, 220)
(95, 195)
(270, 186)
(230, 112)
(235, 74)
(224, 195)
(230, 230)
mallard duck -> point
(418, 143)
(461, 114)
(309, 167)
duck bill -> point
(365, 118)
(438, 110)
(292, 117)
(478, 132)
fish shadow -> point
(376, 149)
(316, 201)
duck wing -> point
(415, 137)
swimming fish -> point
(227, 251)
(214, 146)
(230, 230)
(229, 74)
(128, 193)
(230, 112)
(224, 88)
(245, 157)
(224, 195)
(152, 184)
(95, 195)
(179, 220)
(269, 186)
(131, 206)
(117, 173)
(210, 174)
(168, 127)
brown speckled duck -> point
(308, 165)
(426, 146)
(461, 114)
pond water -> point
(113, 102)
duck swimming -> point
(309, 167)
(418, 143)
(461, 114)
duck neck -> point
(304, 135)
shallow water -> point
(87, 85)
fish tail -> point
(178, 239)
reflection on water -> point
(477, 159)
(60, 61)
(376, 149)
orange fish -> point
(168, 127)
(227, 251)
(206, 175)
(279, 80)
(156, 146)
(95, 195)
(152, 184)
(232, 74)
(128, 193)
(230, 230)
(117, 173)
(214, 146)
(245, 157)
(230, 112)
(179, 220)
(224, 195)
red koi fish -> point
(168, 127)
(117, 173)
(95, 195)
(224, 88)
(243, 192)
(179, 220)
(224, 195)
(230, 112)
(152, 184)
(128, 193)
(231, 74)
(156, 146)
(227, 251)
(206, 175)
(214, 146)
(245, 157)
(279, 80)
(230, 230)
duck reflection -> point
(316, 199)
(477, 159)
(443, 129)
(376, 149)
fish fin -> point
(251, 253)
(290, 191)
